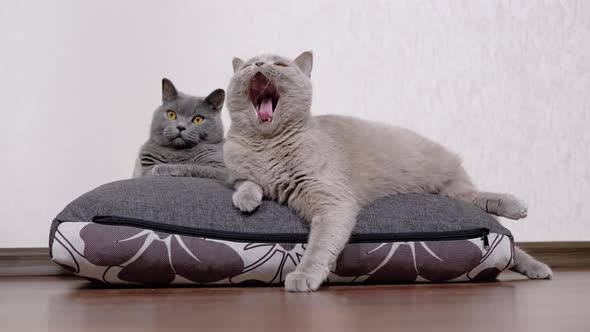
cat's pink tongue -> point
(265, 110)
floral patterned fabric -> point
(116, 254)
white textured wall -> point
(505, 83)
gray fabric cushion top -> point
(206, 204)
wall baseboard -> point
(36, 261)
(560, 254)
(28, 262)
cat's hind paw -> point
(538, 271)
(509, 206)
(303, 282)
(534, 270)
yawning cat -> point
(326, 168)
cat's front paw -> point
(247, 200)
(303, 281)
(168, 170)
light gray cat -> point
(326, 168)
(186, 136)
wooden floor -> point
(513, 304)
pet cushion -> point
(170, 230)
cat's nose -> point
(180, 128)
(258, 64)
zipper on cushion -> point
(481, 233)
(486, 242)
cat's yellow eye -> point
(171, 115)
(198, 119)
(280, 64)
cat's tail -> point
(526, 265)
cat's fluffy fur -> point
(179, 147)
(326, 168)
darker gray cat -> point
(186, 136)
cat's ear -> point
(169, 92)
(215, 99)
(305, 62)
(237, 63)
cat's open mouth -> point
(264, 96)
